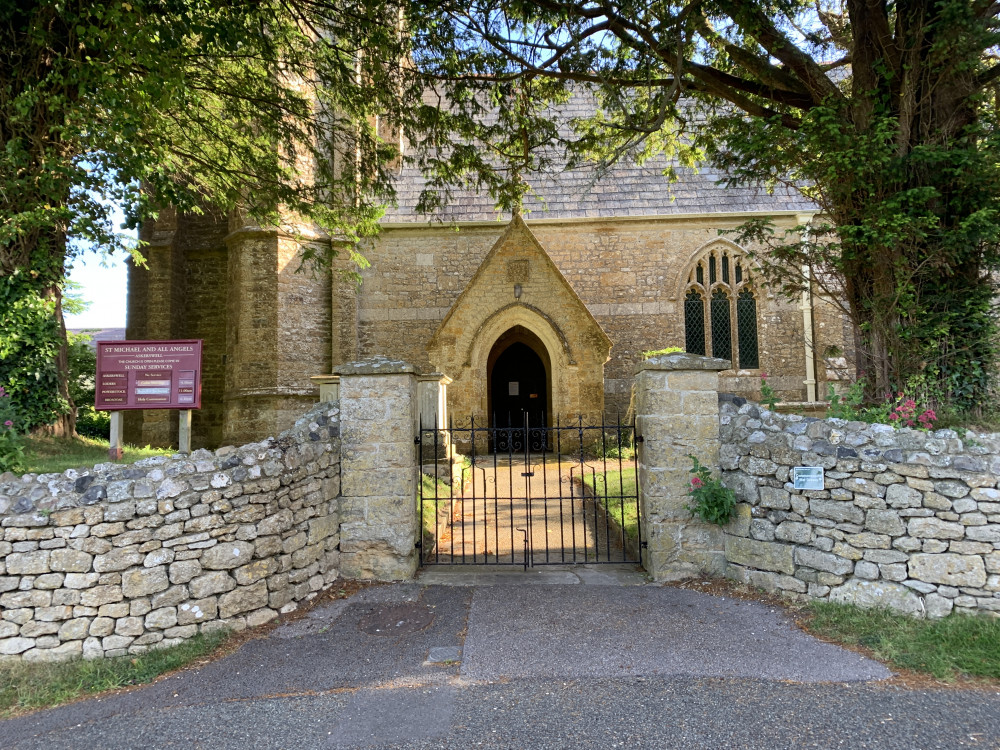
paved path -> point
(508, 506)
(515, 666)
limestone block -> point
(61, 652)
(75, 629)
(70, 561)
(200, 610)
(227, 555)
(267, 546)
(884, 522)
(169, 598)
(215, 582)
(871, 594)
(255, 571)
(775, 498)
(49, 581)
(948, 569)
(102, 626)
(902, 496)
(129, 626)
(990, 533)
(260, 617)
(934, 528)
(836, 510)
(144, 581)
(18, 599)
(793, 531)
(321, 528)
(160, 619)
(28, 563)
(276, 523)
(54, 613)
(161, 556)
(118, 559)
(99, 595)
(760, 555)
(243, 599)
(823, 561)
(113, 642)
(183, 571)
(870, 540)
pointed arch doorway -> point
(519, 388)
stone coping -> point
(683, 361)
(376, 366)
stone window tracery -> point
(720, 308)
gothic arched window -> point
(720, 308)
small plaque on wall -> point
(513, 388)
(808, 477)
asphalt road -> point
(564, 666)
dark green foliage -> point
(82, 370)
(188, 103)
(883, 114)
(29, 343)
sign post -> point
(148, 375)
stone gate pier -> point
(677, 415)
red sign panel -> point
(148, 375)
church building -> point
(545, 314)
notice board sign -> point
(808, 477)
(148, 375)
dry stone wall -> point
(907, 519)
(119, 559)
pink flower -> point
(696, 482)
(8, 423)
(894, 416)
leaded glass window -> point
(722, 328)
(746, 329)
(694, 323)
(720, 312)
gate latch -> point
(527, 473)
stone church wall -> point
(119, 559)
(630, 275)
(907, 519)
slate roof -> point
(628, 189)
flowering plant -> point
(11, 450)
(903, 413)
(710, 500)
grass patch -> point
(46, 455)
(958, 646)
(611, 487)
(26, 687)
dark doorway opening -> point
(519, 385)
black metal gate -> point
(529, 495)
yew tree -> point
(882, 113)
(268, 107)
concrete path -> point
(518, 666)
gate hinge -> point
(640, 439)
(418, 545)
(644, 545)
(416, 440)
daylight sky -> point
(102, 284)
(103, 287)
